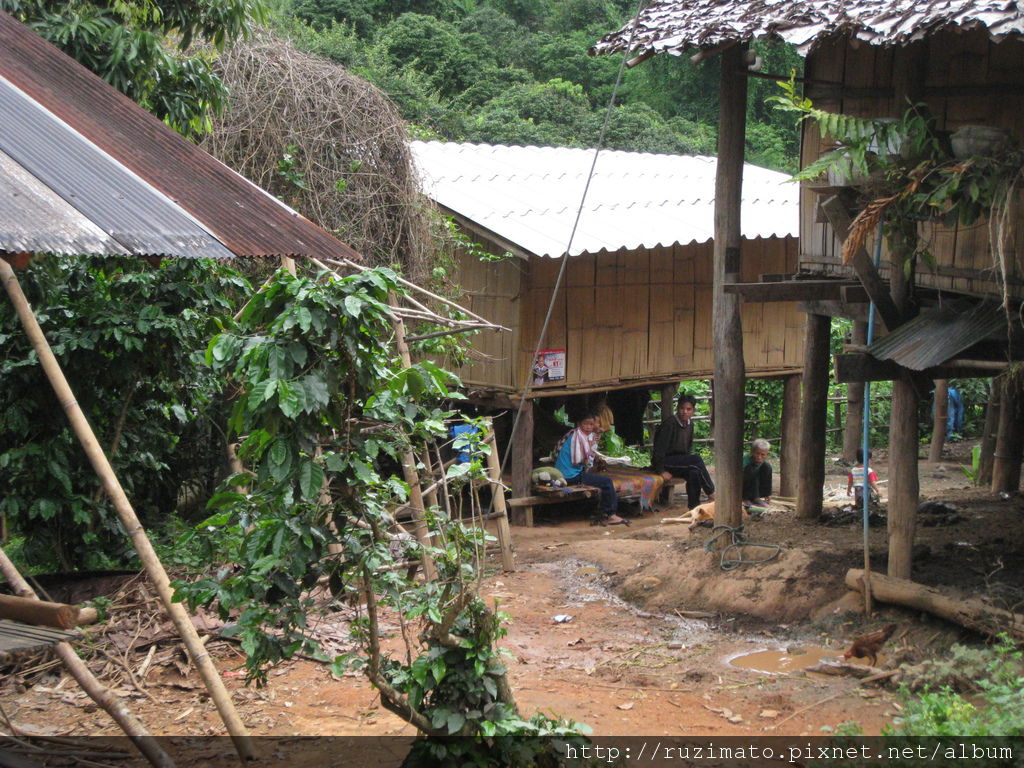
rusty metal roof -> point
(673, 26)
(85, 169)
(939, 334)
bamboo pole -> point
(102, 695)
(508, 560)
(154, 568)
(412, 478)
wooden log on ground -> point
(965, 611)
(103, 696)
(38, 612)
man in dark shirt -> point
(757, 475)
(672, 456)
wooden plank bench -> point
(522, 507)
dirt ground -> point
(628, 661)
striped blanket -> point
(631, 482)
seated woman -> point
(574, 457)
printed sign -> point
(549, 366)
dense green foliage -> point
(518, 72)
(142, 47)
(126, 334)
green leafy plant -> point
(326, 415)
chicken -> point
(867, 646)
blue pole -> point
(866, 436)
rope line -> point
(738, 542)
(572, 235)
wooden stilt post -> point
(668, 405)
(988, 434)
(939, 419)
(1007, 455)
(904, 484)
(789, 451)
(130, 521)
(813, 417)
(854, 425)
(409, 466)
(521, 446)
(99, 693)
(727, 330)
(508, 561)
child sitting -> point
(575, 456)
(856, 480)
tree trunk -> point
(967, 612)
(789, 451)
(1007, 456)
(939, 419)
(727, 330)
(853, 430)
(813, 417)
(988, 434)
(903, 476)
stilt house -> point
(939, 313)
(631, 246)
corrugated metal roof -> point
(530, 195)
(109, 196)
(939, 334)
(140, 183)
(674, 26)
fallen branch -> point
(967, 612)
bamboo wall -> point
(966, 79)
(627, 318)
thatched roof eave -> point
(676, 26)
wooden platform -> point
(15, 636)
(522, 508)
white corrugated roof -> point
(530, 196)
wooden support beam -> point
(860, 366)
(988, 434)
(853, 430)
(793, 290)
(789, 452)
(1009, 437)
(904, 484)
(840, 219)
(508, 561)
(727, 329)
(813, 418)
(855, 312)
(939, 419)
(521, 448)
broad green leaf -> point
(311, 480)
(291, 398)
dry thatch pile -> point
(326, 142)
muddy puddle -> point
(782, 662)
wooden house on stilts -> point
(942, 303)
(633, 310)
